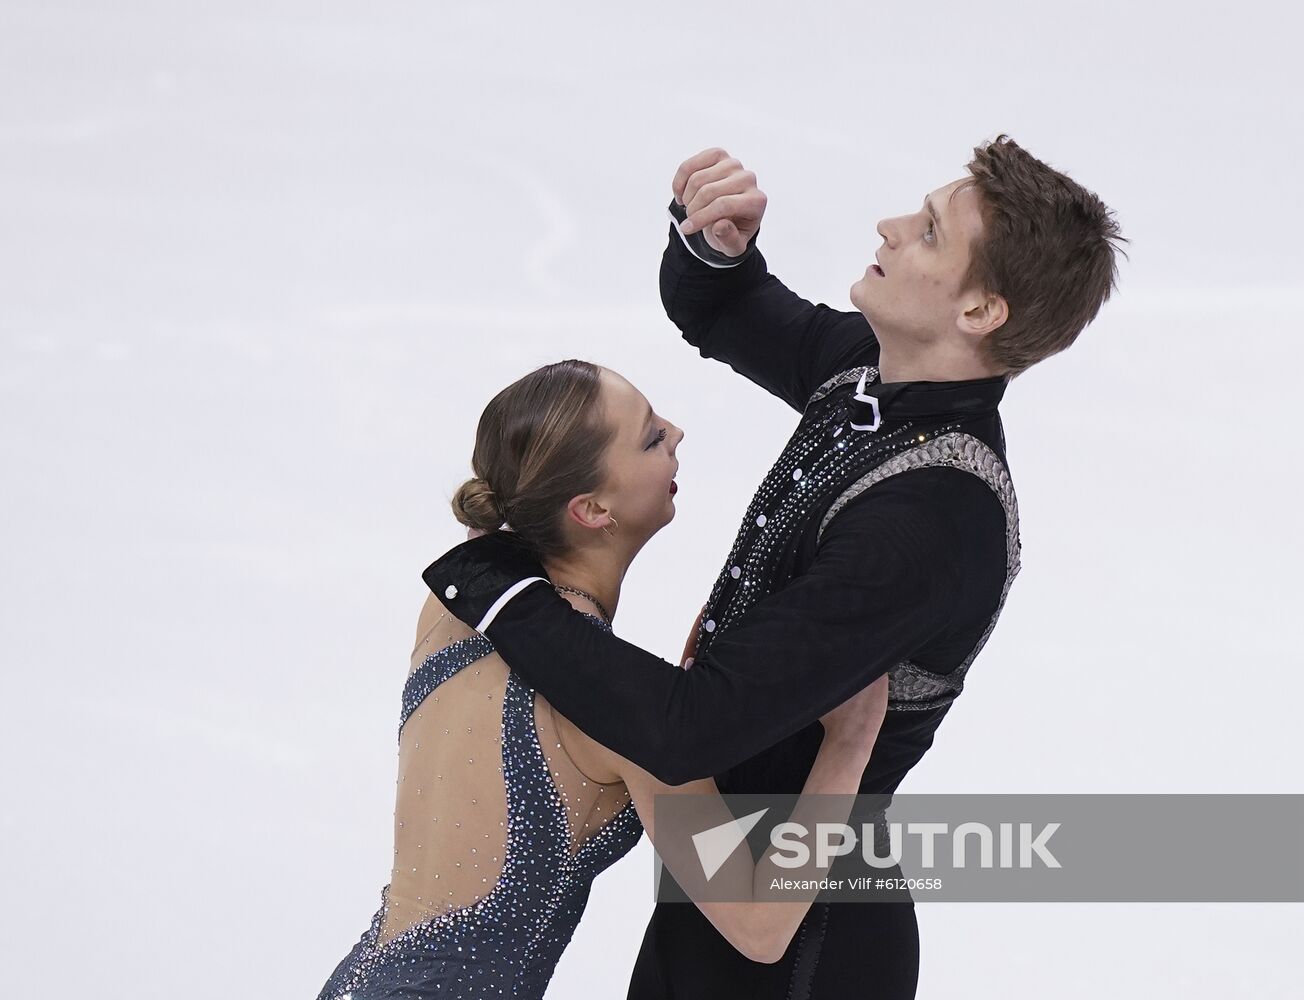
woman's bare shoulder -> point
(437, 627)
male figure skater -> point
(883, 540)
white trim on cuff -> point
(503, 598)
(690, 249)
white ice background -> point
(262, 265)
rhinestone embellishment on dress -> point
(509, 940)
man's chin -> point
(861, 306)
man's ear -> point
(982, 313)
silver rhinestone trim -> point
(911, 686)
(842, 378)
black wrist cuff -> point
(698, 245)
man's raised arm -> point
(717, 289)
(884, 582)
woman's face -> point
(641, 466)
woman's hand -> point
(857, 720)
(690, 644)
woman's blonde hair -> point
(540, 441)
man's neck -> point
(931, 365)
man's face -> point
(917, 297)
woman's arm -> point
(758, 926)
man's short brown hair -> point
(1048, 247)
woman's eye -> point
(661, 436)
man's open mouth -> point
(877, 270)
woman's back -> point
(498, 834)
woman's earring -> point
(616, 523)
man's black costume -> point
(883, 540)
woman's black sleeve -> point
(885, 580)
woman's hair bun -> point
(476, 506)
(541, 441)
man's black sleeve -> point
(885, 580)
(742, 315)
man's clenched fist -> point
(721, 198)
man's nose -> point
(885, 231)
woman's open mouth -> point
(674, 487)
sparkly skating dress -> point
(498, 837)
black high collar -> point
(929, 399)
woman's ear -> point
(586, 511)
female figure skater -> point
(506, 812)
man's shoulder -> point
(946, 497)
(941, 526)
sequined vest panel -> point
(826, 464)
